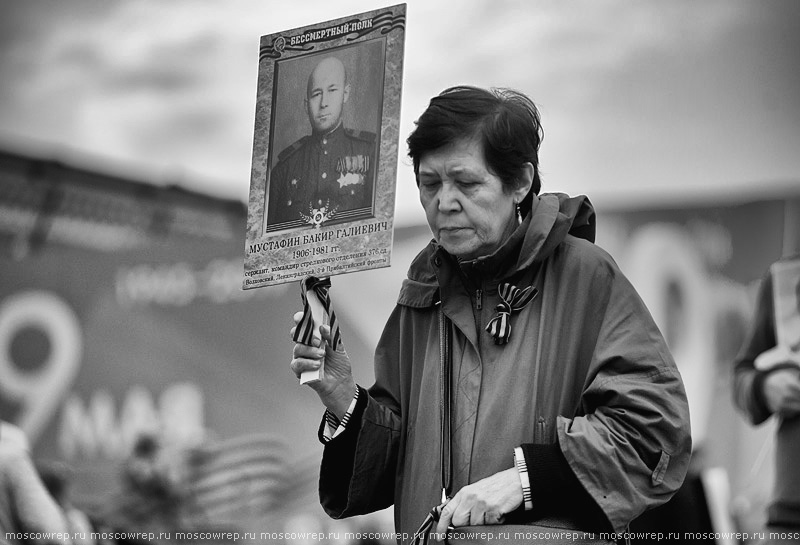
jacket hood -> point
(553, 216)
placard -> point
(325, 148)
(786, 294)
(786, 304)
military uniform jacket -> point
(334, 171)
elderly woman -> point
(520, 372)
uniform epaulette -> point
(366, 136)
(286, 153)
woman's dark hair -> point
(505, 121)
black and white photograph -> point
(476, 272)
(325, 144)
(325, 141)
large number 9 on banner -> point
(38, 392)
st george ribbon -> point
(317, 310)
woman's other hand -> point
(484, 502)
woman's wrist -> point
(340, 399)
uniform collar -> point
(335, 133)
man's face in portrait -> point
(327, 92)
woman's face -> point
(470, 211)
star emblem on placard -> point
(318, 216)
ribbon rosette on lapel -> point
(304, 333)
(512, 299)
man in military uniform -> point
(329, 173)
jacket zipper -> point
(542, 429)
(479, 316)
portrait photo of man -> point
(328, 173)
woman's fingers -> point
(301, 350)
(300, 366)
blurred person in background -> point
(152, 492)
(56, 479)
(766, 382)
(28, 513)
(520, 379)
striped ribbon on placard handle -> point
(316, 288)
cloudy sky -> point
(640, 99)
